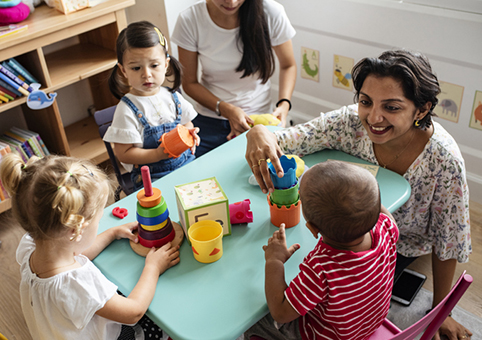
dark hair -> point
(141, 34)
(254, 35)
(341, 200)
(413, 70)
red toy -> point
(120, 212)
(239, 212)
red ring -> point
(157, 243)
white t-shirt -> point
(64, 306)
(158, 109)
(220, 54)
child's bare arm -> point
(105, 238)
(130, 154)
(276, 254)
(129, 310)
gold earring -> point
(416, 123)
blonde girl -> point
(59, 201)
(147, 110)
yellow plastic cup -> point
(206, 240)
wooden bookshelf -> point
(92, 57)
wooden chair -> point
(103, 118)
(431, 322)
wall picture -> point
(449, 101)
(342, 72)
(310, 65)
(476, 117)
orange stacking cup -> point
(176, 141)
(290, 216)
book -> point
(21, 70)
(15, 145)
(32, 140)
(17, 80)
(12, 29)
(10, 93)
(16, 148)
(37, 136)
(6, 95)
(3, 98)
(13, 84)
(25, 145)
(9, 88)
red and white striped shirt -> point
(342, 294)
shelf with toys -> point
(60, 50)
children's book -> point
(14, 78)
(13, 29)
(6, 95)
(9, 88)
(4, 99)
(10, 93)
(25, 145)
(21, 70)
(15, 145)
(13, 84)
(32, 138)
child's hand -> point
(277, 250)
(194, 132)
(163, 258)
(126, 231)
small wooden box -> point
(202, 200)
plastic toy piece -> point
(265, 119)
(300, 165)
(239, 212)
(148, 197)
(290, 216)
(206, 239)
(120, 212)
(289, 169)
(176, 141)
(146, 180)
(286, 196)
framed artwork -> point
(449, 101)
(342, 67)
(310, 67)
(476, 117)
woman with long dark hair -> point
(236, 42)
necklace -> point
(50, 270)
(382, 162)
(155, 108)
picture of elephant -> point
(449, 106)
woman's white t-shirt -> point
(220, 53)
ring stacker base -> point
(155, 227)
(284, 203)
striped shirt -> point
(343, 294)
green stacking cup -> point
(285, 196)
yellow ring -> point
(254, 166)
(259, 162)
(154, 227)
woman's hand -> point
(452, 330)
(263, 145)
(239, 121)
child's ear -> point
(314, 230)
(122, 69)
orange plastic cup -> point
(290, 216)
(176, 141)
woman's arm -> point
(287, 78)
(238, 119)
(131, 154)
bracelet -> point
(217, 108)
(284, 100)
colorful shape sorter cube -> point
(203, 200)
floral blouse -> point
(437, 212)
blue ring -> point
(153, 220)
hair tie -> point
(167, 55)
(162, 39)
(88, 170)
(70, 173)
(24, 166)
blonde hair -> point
(53, 195)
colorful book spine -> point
(42, 145)
(10, 93)
(32, 141)
(6, 95)
(15, 145)
(15, 79)
(3, 98)
(9, 88)
(13, 29)
(13, 84)
(21, 70)
(25, 145)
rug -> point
(404, 317)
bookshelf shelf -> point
(92, 56)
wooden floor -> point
(12, 323)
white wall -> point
(361, 28)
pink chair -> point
(431, 321)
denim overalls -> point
(151, 141)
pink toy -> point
(120, 212)
(146, 180)
(239, 212)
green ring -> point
(154, 211)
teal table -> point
(219, 301)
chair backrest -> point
(103, 118)
(431, 321)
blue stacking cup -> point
(289, 169)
